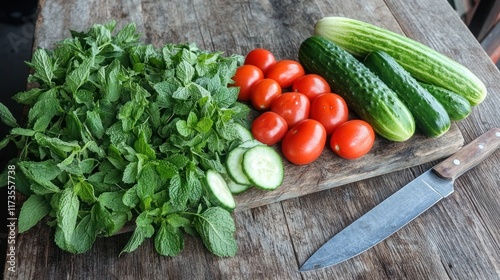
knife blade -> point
(404, 205)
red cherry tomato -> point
(285, 72)
(245, 77)
(311, 85)
(269, 128)
(292, 106)
(304, 142)
(352, 139)
(263, 93)
(330, 110)
(261, 58)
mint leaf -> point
(165, 90)
(166, 169)
(225, 97)
(113, 201)
(147, 183)
(127, 36)
(204, 125)
(71, 165)
(107, 112)
(179, 191)
(155, 115)
(113, 176)
(216, 228)
(67, 213)
(43, 66)
(83, 236)
(6, 116)
(41, 114)
(85, 191)
(4, 142)
(74, 126)
(177, 220)
(119, 220)
(22, 131)
(142, 146)
(97, 180)
(168, 240)
(98, 34)
(28, 97)
(41, 173)
(183, 128)
(130, 113)
(189, 53)
(94, 124)
(103, 219)
(113, 85)
(83, 96)
(130, 173)
(116, 133)
(60, 147)
(196, 91)
(196, 189)
(182, 93)
(34, 209)
(60, 240)
(144, 229)
(76, 78)
(180, 161)
(130, 197)
(227, 130)
(185, 72)
(115, 158)
(192, 120)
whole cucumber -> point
(430, 116)
(365, 93)
(457, 106)
(424, 63)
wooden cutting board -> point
(330, 171)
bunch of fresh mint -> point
(117, 132)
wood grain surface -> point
(459, 238)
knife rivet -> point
(481, 146)
(497, 134)
(456, 162)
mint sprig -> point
(119, 131)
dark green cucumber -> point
(368, 96)
(430, 116)
(457, 106)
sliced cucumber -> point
(236, 188)
(263, 166)
(233, 166)
(243, 133)
(251, 143)
(219, 191)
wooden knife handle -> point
(469, 156)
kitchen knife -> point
(404, 205)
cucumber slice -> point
(263, 167)
(243, 133)
(236, 188)
(251, 143)
(219, 191)
(233, 165)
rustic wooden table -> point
(459, 238)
